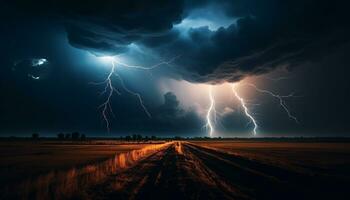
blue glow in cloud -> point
(212, 16)
(39, 61)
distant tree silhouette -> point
(128, 138)
(35, 136)
(75, 135)
(139, 138)
(83, 137)
(60, 136)
(177, 138)
(153, 137)
(67, 136)
(146, 138)
(134, 137)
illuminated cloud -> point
(34, 68)
(219, 40)
(214, 41)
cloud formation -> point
(171, 117)
(262, 35)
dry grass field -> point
(23, 159)
(327, 158)
(176, 170)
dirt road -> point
(187, 171)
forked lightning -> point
(246, 110)
(109, 89)
(211, 113)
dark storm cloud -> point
(107, 26)
(174, 118)
(234, 121)
(169, 117)
(265, 34)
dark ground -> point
(188, 171)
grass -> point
(47, 169)
(327, 158)
(21, 160)
(69, 183)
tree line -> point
(76, 136)
(64, 136)
(79, 136)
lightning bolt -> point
(109, 89)
(138, 95)
(211, 113)
(246, 110)
(280, 98)
(150, 67)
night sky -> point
(53, 54)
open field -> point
(322, 158)
(20, 160)
(198, 170)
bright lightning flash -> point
(246, 110)
(110, 89)
(211, 113)
(280, 98)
